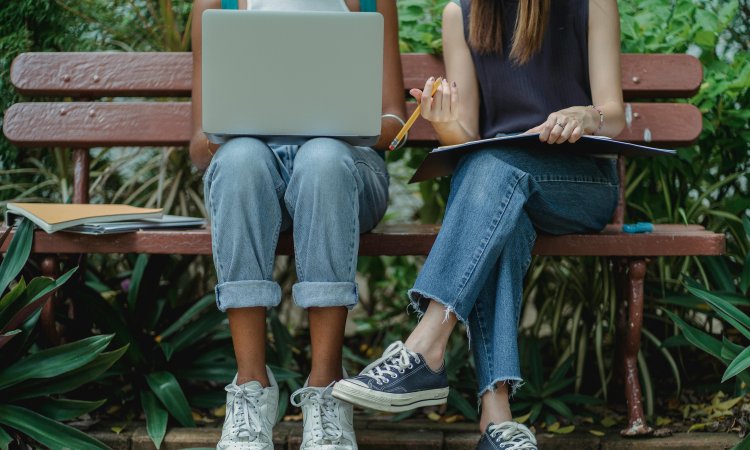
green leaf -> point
(745, 278)
(54, 361)
(5, 439)
(719, 269)
(135, 280)
(188, 316)
(740, 363)
(63, 408)
(457, 401)
(724, 309)
(168, 390)
(696, 337)
(68, 381)
(156, 418)
(12, 295)
(46, 431)
(197, 330)
(37, 290)
(559, 406)
(17, 254)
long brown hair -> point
(486, 31)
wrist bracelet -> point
(601, 119)
(401, 121)
(208, 147)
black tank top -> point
(515, 98)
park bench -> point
(81, 122)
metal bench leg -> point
(47, 320)
(637, 425)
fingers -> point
(454, 101)
(548, 128)
(577, 133)
(536, 129)
(417, 94)
(442, 106)
(427, 100)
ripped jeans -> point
(477, 265)
(326, 190)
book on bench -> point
(53, 217)
(442, 160)
(165, 222)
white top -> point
(297, 5)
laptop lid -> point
(289, 76)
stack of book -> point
(96, 219)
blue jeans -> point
(477, 265)
(326, 189)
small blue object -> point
(640, 227)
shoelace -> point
(395, 358)
(513, 433)
(246, 403)
(326, 427)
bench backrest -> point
(86, 77)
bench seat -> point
(399, 240)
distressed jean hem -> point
(416, 296)
(514, 382)
(323, 294)
(247, 294)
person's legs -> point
(327, 342)
(243, 190)
(494, 325)
(494, 193)
(486, 200)
(336, 191)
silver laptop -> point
(289, 76)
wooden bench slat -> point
(111, 74)
(409, 239)
(103, 124)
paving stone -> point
(460, 427)
(461, 441)
(182, 438)
(679, 441)
(114, 440)
(577, 441)
(379, 439)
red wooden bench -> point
(82, 124)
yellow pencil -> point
(413, 118)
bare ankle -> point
(248, 376)
(320, 378)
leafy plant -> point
(544, 396)
(32, 383)
(735, 356)
(180, 350)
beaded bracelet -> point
(601, 119)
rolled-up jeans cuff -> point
(247, 294)
(321, 294)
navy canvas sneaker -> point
(507, 436)
(399, 381)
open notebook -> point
(442, 160)
(53, 217)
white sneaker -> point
(251, 415)
(328, 422)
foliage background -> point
(570, 302)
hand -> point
(441, 107)
(564, 125)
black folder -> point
(442, 160)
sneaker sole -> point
(382, 401)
